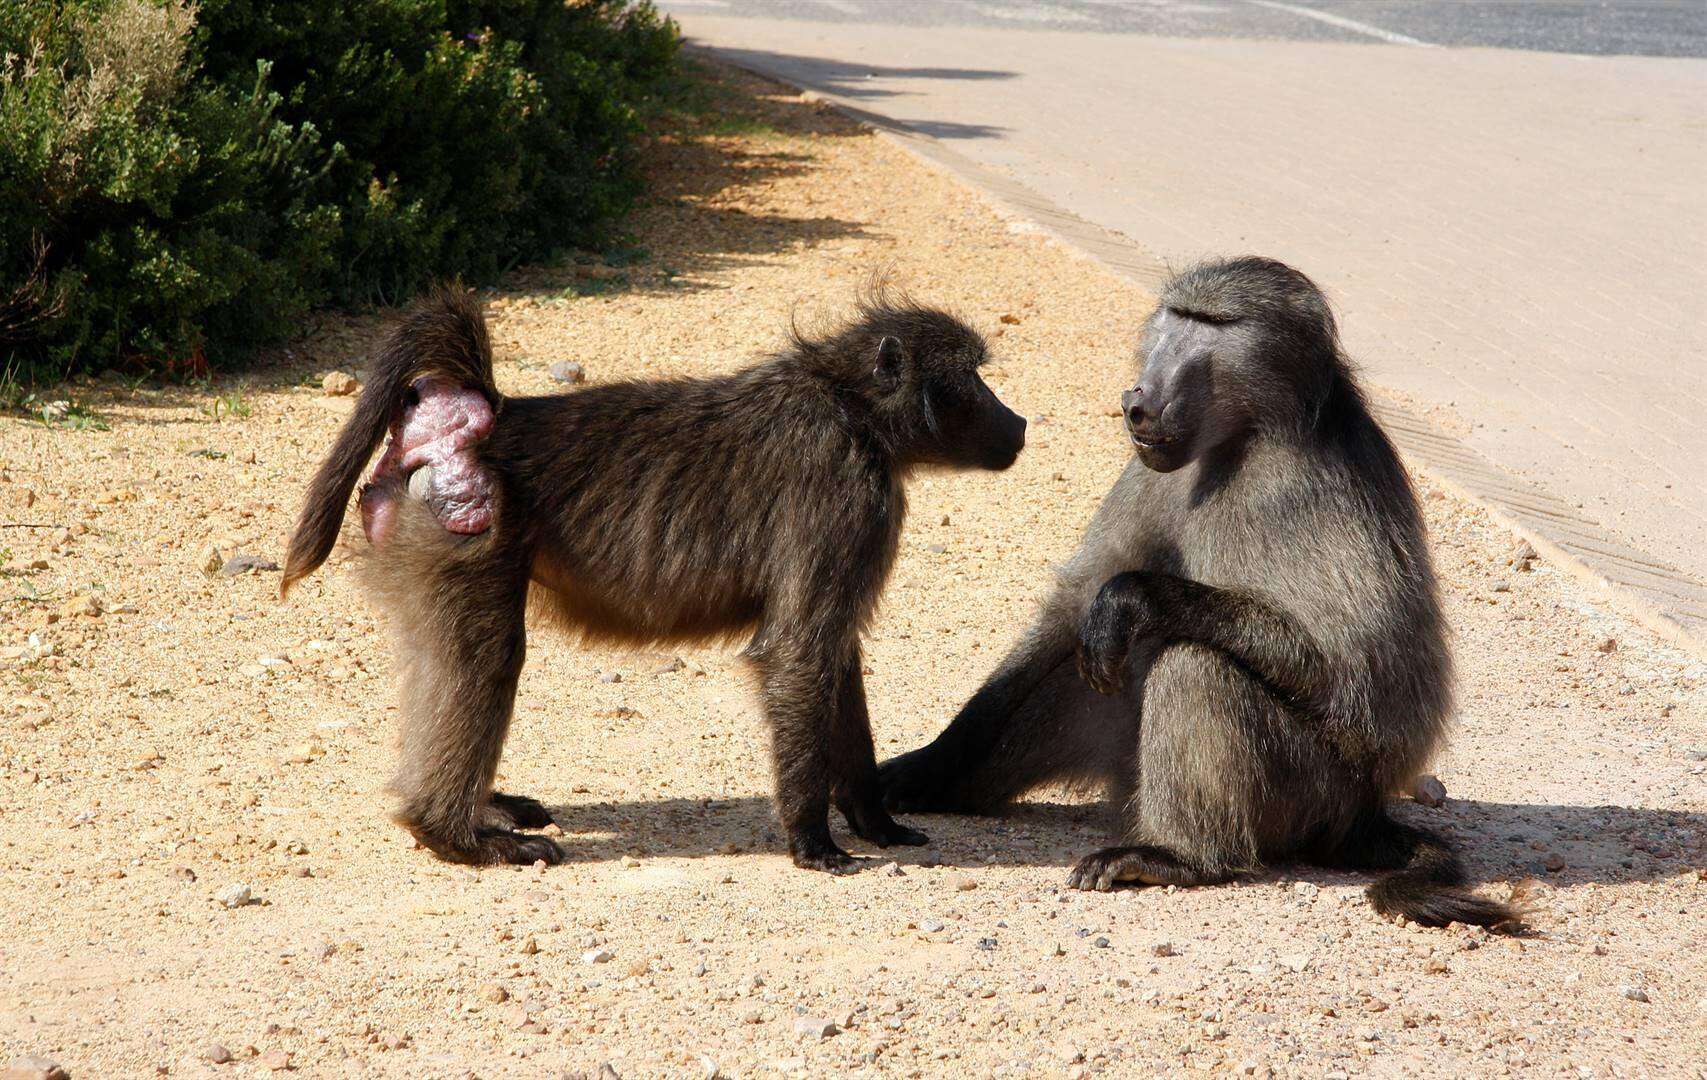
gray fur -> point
(1255, 599)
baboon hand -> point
(1123, 612)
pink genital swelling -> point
(439, 431)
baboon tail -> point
(1427, 884)
(443, 334)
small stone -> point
(1165, 948)
(276, 1060)
(394, 1040)
(611, 677)
(247, 457)
(936, 549)
(494, 993)
(751, 1016)
(814, 1027)
(338, 384)
(1636, 993)
(1523, 556)
(1554, 863)
(241, 563)
(963, 883)
(1100, 943)
(597, 956)
(1010, 319)
(893, 869)
(708, 1069)
(630, 862)
(670, 666)
(515, 1016)
(216, 1053)
(183, 873)
(234, 896)
(1608, 646)
(210, 561)
(529, 946)
(1434, 965)
(1305, 889)
(85, 606)
(1429, 791)
(34, 1068)
(931, 926)
(568, 371)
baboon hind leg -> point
(462, 656)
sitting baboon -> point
(1260, 653)
(766, 503)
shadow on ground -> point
(1501, 841)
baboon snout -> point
(1141, 408)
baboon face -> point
(962, 423)
(1180, 407)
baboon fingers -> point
(871, 823)
(1102, 870)
(517, 812)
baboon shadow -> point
(1562, 845)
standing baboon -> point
(1254, 616)
(768, 502)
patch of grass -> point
(227, 405)
(625, 255)
(594, 286)
(695, 100)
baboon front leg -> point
(976, 763)
(854, 765)
(462, 655)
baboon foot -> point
(516, 812)
(493, 847)
(1101, 871)
(815, 850)
(870, 822)
(919, 782)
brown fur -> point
(766, 503)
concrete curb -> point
(1651, 590)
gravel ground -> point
(197, 864)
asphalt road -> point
(1598, 28)
(1514, 239)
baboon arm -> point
(981, 722)
(1255, 633)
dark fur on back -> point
(768, 503)
(1255, 615)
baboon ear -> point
(888, 370)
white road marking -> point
(1345, 24)
(1033, 13)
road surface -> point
(1513, 230)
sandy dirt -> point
(196, 739)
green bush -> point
(178, 185)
